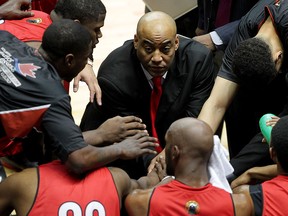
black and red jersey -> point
(94, 194)
(249, 26)
(32, 96)
(270, 197)
(176, 198)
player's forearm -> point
(263, 173)
(211, 115)
(89, 158)
(94, 137)
(146, 182)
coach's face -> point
(156, 48)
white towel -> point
(219, 166)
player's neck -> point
(268, 33)
(196, 176)
(44, 54)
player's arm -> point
(67, 141)
(88, 76)
(216, 105)
(137, 202)
(134, 204)
(18, 192)
(255, 175)
(126, 185)
(6, 197)
(15, 9)
(243, 202)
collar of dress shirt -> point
(149, 77)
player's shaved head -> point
(192, 135)
(188, 140)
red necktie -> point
(154, 102)
(223, 13)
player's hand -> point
(160, 167)
(87, 75)
(155, 159)
(243, 179)
(271, 122)
(137, 145)
(118, 128)
(16, 9)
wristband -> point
(168, 177)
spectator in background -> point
(216, 13)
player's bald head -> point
(192, 136)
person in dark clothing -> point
(33, 98)
(234, 94)
(269, 197)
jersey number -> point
(77, 211)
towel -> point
(219, 166)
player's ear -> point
(273, 155)
(69, 60)
(175, 152)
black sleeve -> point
(256, 194)
(255, 153)
(60, 130)
(203, 81)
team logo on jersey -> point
(34, 20)
(192, 207)
(27, 69)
